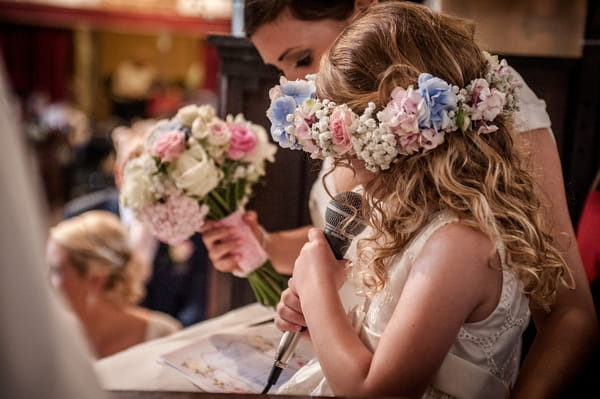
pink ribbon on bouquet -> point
(251, 253)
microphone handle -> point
(285, 350)
(287, 346)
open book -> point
(236, 361)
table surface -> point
(189, 395)
(137, 373)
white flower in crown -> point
(414, 120)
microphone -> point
(343, 222)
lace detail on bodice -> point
(504, 325)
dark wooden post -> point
(281, 203)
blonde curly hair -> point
(96, 242)
(481, 178)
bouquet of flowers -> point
(196, 166)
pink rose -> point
(340, 123)
(243, 141)
(169, 145)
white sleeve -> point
(532, 112)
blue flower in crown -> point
(285, 98)
(299, 90)
(277, 114)
(440, 99)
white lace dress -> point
(482, 363)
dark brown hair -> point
(260, 12)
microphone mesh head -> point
(343, 214)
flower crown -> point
(414, 119)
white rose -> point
(195, 172)
(206, 113)
(187, 114)
(137, 190)
(264, 150)
(199, 129)
(219, 134)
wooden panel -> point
(546, 28)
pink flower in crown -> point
(243, 141)
(340, 124)
(409, 143)
(430, 138)
(404, 112)
(487, 103)
(485, 128)
(169, 145)
(304, 118)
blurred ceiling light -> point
(205, 8)
(67, 3)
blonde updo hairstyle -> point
(481, 178)
(96, 242)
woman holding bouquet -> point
(292, 35)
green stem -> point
(214, 211)
(239, 188)
(267, 284)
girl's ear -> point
(360, 5)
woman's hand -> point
(221, 242)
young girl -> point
(456, 248)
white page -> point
(238, 361)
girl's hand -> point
(220, 242)
(289, 316)
(316, 266)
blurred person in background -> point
(92, 263)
